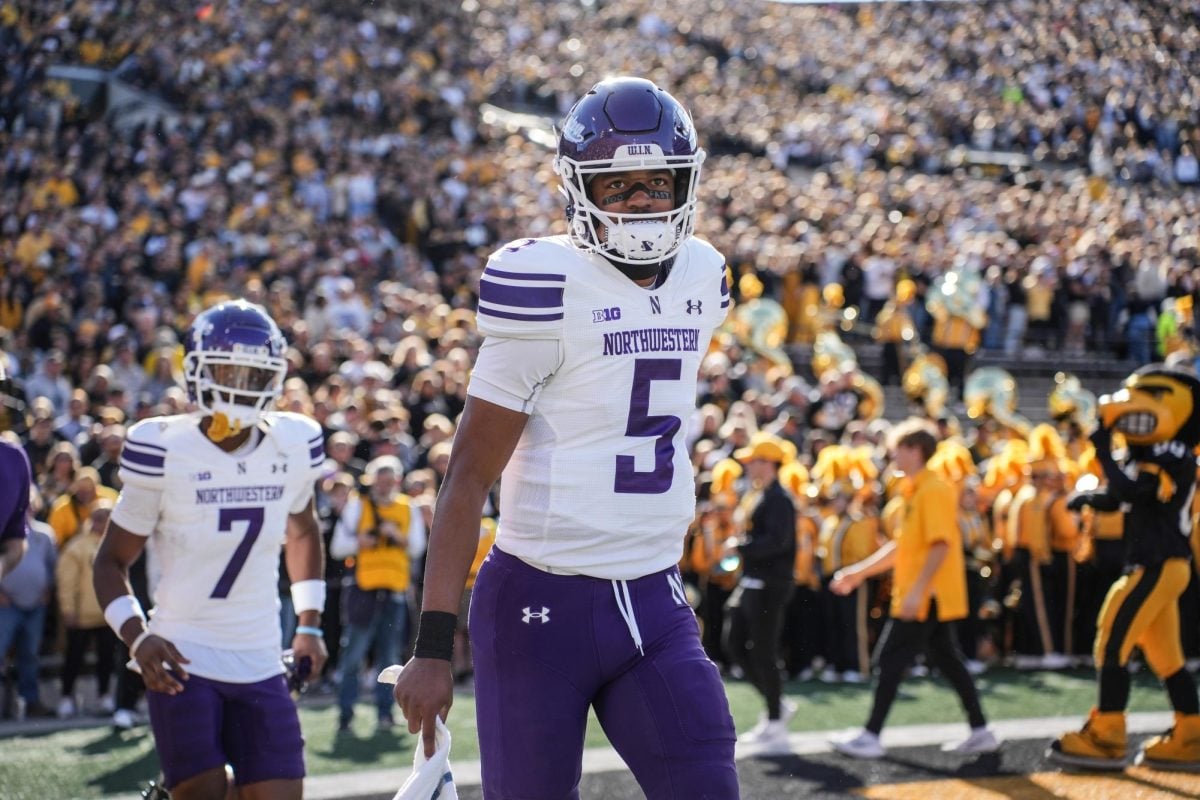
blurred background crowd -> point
(350, 167)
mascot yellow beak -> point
(1151, 408)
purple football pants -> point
(547, 647)
(253, 727)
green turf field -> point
(95, 762)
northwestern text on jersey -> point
(238, 494)
(652, 340)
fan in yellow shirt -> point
(929, 592)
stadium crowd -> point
(331, 162)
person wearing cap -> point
(893, 328)
(341, 449)
(48, 382)
(390, 536)
(70, 511)
(82, 614)
(929, 594)
(756, 607)
(1036, 519)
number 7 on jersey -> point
(253, 517)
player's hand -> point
(161, 665)
(306, 645)
(1102, 438)
(425, 691)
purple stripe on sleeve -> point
(724, 285)
(131, 468)
(144, 445)
(317, 452)
(495, 312)
(523, 276)
(521, 296)
(145, 459)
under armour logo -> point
(275, 468)
(693, 306)
(543, 615)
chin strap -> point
(220, 429)
(640, 272)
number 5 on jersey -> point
(641, 423)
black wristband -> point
(435, 635)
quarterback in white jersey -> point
(219, 492)
(600, 482)
(579, 397)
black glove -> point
(1102, 439)
(1077, 500)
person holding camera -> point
(390, 536)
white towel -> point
(431, 778)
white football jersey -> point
(221, 521)
(600, 482)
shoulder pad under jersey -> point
(144, 456)
(291, 430)
(521, 290)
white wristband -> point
(121, 610)
(308, 595)
(133, 648)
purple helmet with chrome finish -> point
(234, 361)
(628, 124)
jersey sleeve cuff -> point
(494, 394)
(133, 525)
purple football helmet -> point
(234, 362)
(628, 124)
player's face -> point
(643, 191)
(237, 376)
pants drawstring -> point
(625, 606)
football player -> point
(579, 396)
(219, 492)
(16, 476)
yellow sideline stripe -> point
(1136, 783)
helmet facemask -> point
(637, 243)
(236, 388)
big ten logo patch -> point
(606, 314)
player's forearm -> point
(304, 558)
(110, 580)
(451, 548)
(304, 555)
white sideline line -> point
(605, 759)
(383, 782)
